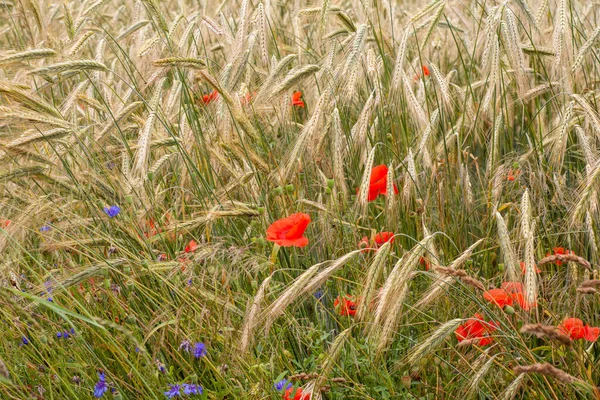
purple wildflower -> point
(112, 211)
(101, 386)
(45, 228)
(174, 391)
(24, 340)
(199, 349)
(186, 346)
(283, 384)
(191, 389)
(59, 335)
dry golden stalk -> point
(547, 331)
(462, 275)
(565, 258)
(548, 370)
(587, 290)
(592, 283)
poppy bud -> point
(501, 267)
(330, 183)
(406, 381)
(278, 191)
(515, 165)
(509, 310)
(129, 199)
(43, 339)
(437, 361)
(130, 319)
(261, 241)
(127, 269)
(145, 264)
(254, 239)
(254, 284)
(107, 284)
(117, 396)
(328, 190)
(254, 223)
(150, 176)
(261, 210)
(389, 137)
(289, 188)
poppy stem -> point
(273, 258)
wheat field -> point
(247, 199)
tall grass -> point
(180, 113)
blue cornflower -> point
(24, 340)
(192, 389)
(319, 294)
(48, 286)
(161, 366)
(199, 349)
(283, 384)
(101, 386)
(186, 346)
(72, 330)
(65, 334)
(174, 391)
(45, 228)
(59, 334)
(110, 165)
(112, 211)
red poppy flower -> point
(289, 231)
(575, 329)
(153, 228)
(512, 287)
(476, 328)
(425, 263)
(524, 267)
(499, 297)
(297, 394)
(4, 223)
(192, 246)
(513, 174)
(247, 98)
(296, 99)
(347, 307)
(379, 239)
(515, 291)
(209, 98)
(425, 72)
(378, 182)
